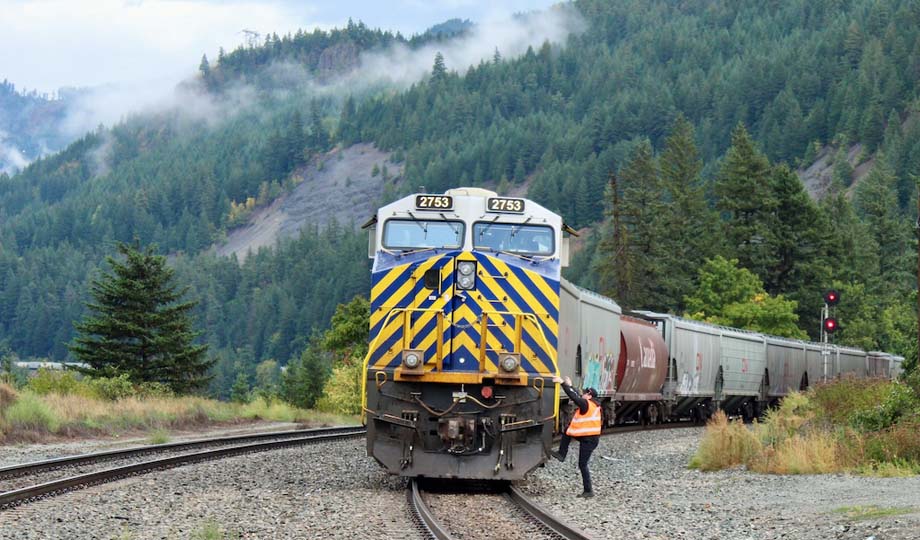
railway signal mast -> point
(828, 325)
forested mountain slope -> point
(655, 92)
(29, 125)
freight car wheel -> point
(747, 412)
(696, 416)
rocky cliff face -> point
(341, 186)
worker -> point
(585, 427)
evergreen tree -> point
(801, 236)
(239, 392)
(689, 224)
(628, 261)
(438, 70)
(295, 141)
(876, 201)
(204, 68)
(747, 202)
(319, 135)
(303, 380)
(140, 326)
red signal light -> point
(830, 325)
(831, 297)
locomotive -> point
(471, 320)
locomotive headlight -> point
(412, 360)
(466, 282)
(466, 274)
(509, 363)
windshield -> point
(524, 239)
(407, 234)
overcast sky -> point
(49, 44)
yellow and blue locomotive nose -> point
(462, 310)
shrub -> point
(837, 402)
(154, 390)
(29, 412)
(785, 421)
(815, 452)
(111, 388)
(269, 409)
(8, 396)
(900, 442)
(47, 381)
(899, 400)
(158, 436)
(725, 444)
(342, 391)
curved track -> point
(227, 447)
(523, 516)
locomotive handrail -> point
(373, 346)
(406, 310)
(533, 318)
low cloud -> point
(398, 66)
(403, 66)
(11, 158)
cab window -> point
(524, 239)
(420, 234)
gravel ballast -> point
(644, 490)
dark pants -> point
(586, 446)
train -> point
(471, 320)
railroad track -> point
(225, 447)
(503, 512)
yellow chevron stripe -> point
(533, 305)
(403, 290)
(395, 325)
(388, 279)
(536, 278)
(466, 314)
(465, 339)
(493, 342)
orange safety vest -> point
(583, 425)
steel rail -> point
(543, 516)
(536, 515)
(17, 497)
(423, 516)
(34, 467)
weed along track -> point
(33, 481)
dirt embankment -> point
(340, 185)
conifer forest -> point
(682, 139)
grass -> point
(857, 426)
(860, 513)
(211, 530)
(158, 436)
(725, 445)
(31, 417)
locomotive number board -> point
(434, 202)
(506, 205)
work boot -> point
(557, 455)
(586, 495)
